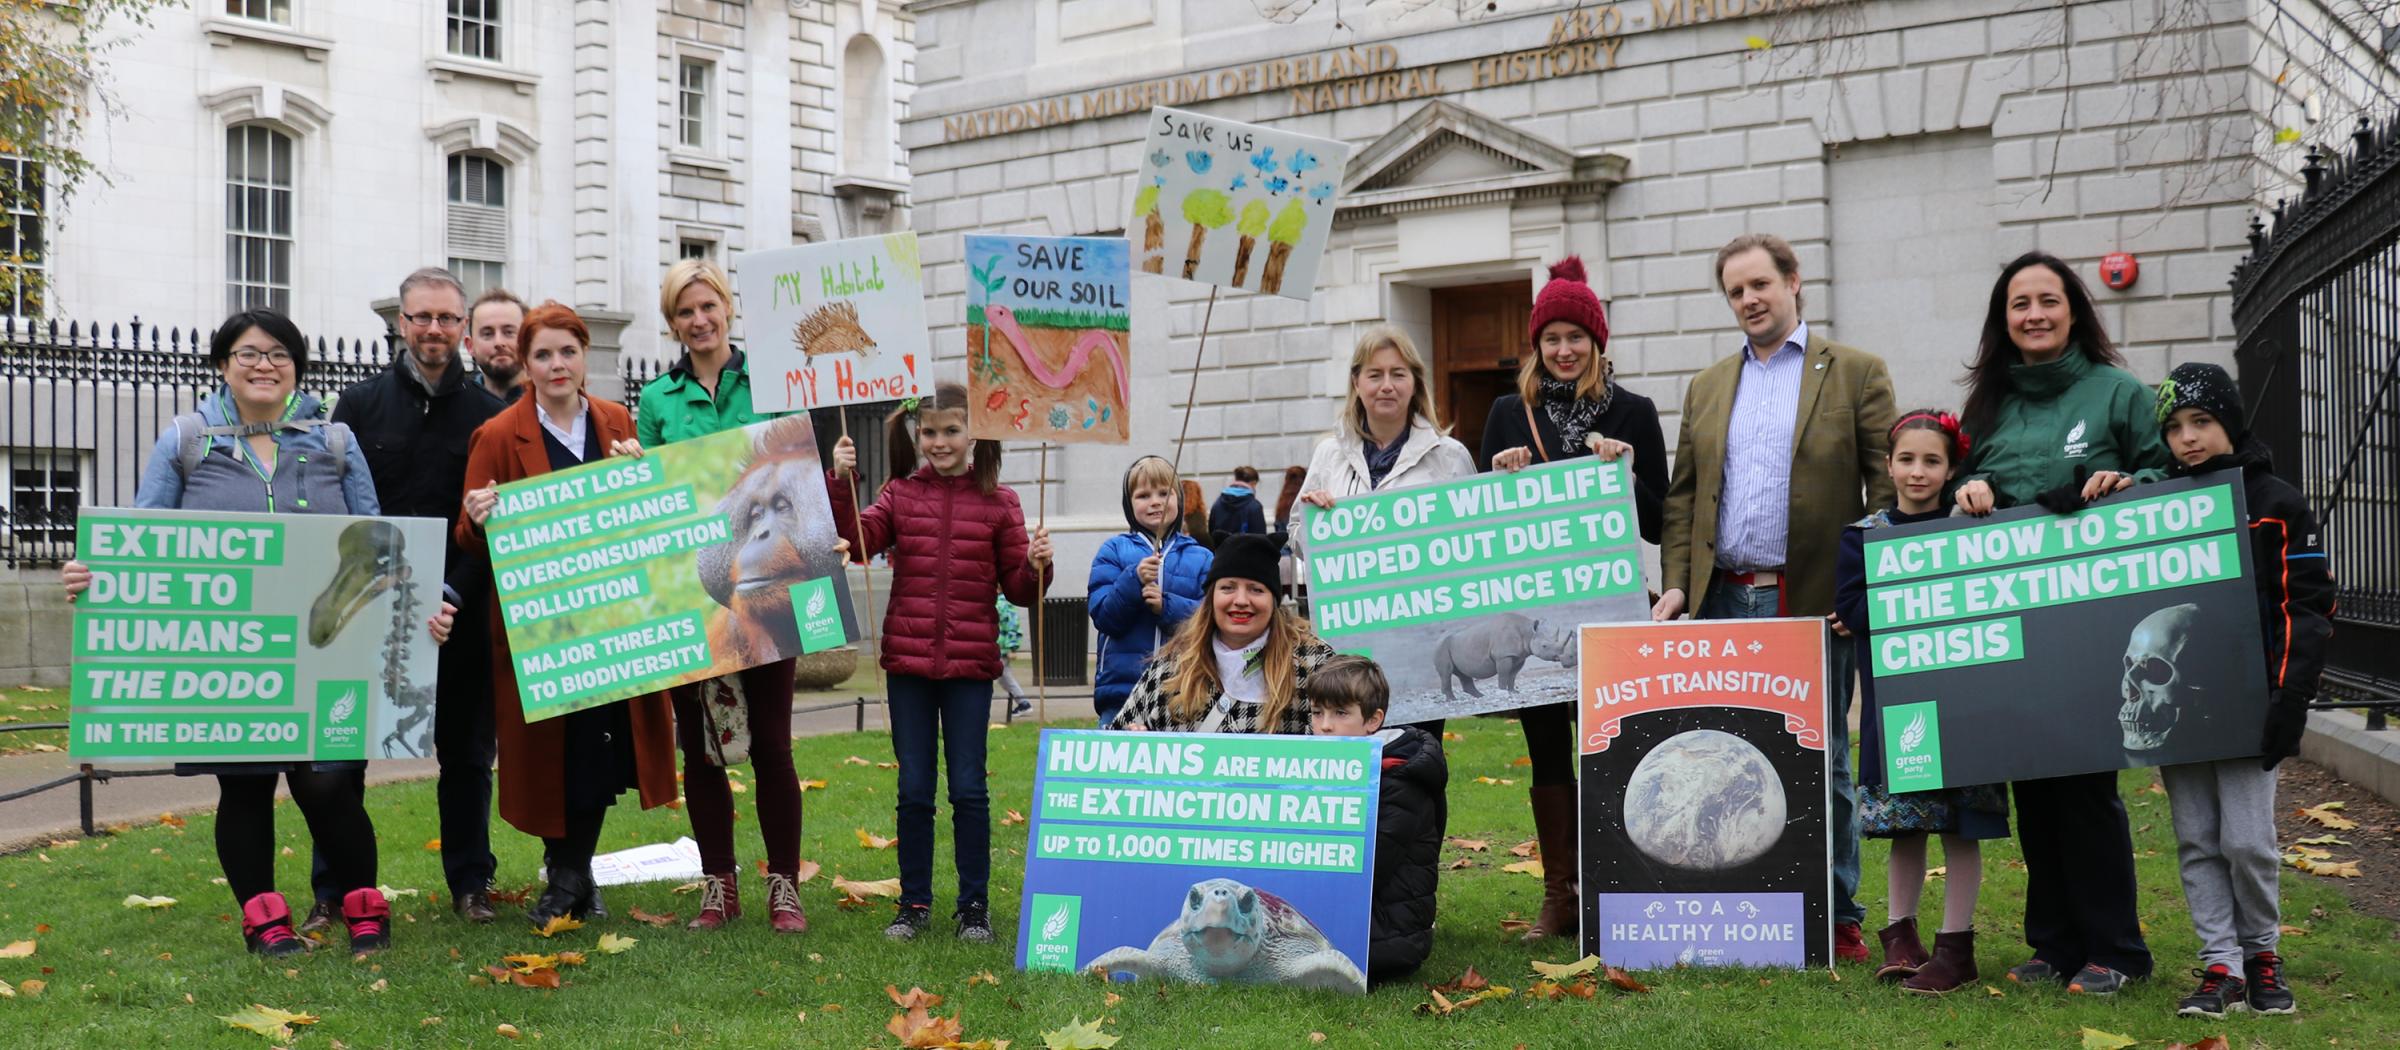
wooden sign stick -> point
(1193, 393)
(1041, 681)
(866, 572)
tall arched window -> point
(867, 129)
(476, 228)
(259, 205)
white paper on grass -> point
(1234, 205)
(837, 323)
(677, 861)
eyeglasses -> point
(429, 320)
(250, 358)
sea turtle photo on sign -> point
(1049, 325)
(838, 323)
(1235, 205)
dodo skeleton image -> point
(2159, 686)
(1232, 932)
(369, 563)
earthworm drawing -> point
(1004, 320)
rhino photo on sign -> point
(1469, 593)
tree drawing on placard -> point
(1154, 229)
(1252, 224)
(1285, 232)
(1206, 210)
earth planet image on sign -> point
(1704, 800)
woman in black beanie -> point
(1243, 667)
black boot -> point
(569, 894)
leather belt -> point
(1761, 578)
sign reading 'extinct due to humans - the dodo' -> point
(211, 636)
(2030, 644)
(1201, 857)
(1469, 592)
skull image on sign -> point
(2160, 686)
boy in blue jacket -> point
(1145, 581)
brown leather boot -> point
(1903, 953)
(1554, 826)
(1952, 968)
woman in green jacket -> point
(2054, 418)
(708, 390)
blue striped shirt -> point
(1754, 510)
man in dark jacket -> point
(1236, 510)
(1348, 697)
(413, 422)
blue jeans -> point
(958, 711)
(1728, 601)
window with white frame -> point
(474, 29)
(259, 202)
(21, 244)
(276, 11)
(45, 489)
(693, 248)
(695, 104)
(477, 223)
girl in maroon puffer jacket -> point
(956, 539)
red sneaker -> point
(1849, 943)
(783, 905)
(267, 926)
(720, 902)
(370, 919)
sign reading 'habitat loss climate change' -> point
(222, 637)
(1704, 794)
(1469, 592)
(627, 576)
(1202, 858)
(2029, 644)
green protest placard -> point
(704, 557)
(1267, 838)
(223, 637)
(1468, 593)
(2045, 644)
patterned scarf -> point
(1572, 415)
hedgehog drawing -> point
(832, 329)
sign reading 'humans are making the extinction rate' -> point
(1469, 592)
(1202, 857)
(2029, 644)
(221, 637)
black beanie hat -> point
(1247, 556)
(2205, 387)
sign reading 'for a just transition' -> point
(2030, 644)
(224, 637)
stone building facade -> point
(1906, 149)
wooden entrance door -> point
(1478, 344)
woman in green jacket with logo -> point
(2054, 418)
(708, 390)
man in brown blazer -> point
(1781, 444)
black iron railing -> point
(2317, 306)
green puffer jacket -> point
(675, 406)
(2064, 414)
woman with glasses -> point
(257, 444)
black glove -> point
(2287, 719)
(2067, 498)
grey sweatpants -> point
(2225, 844)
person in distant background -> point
(1237, 510)
(1195, 513)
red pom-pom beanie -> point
(1568, 298)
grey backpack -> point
(193, 434)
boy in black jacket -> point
(1348, 697)
(2225, 811)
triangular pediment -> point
(1445, 151)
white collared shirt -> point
(572, 436)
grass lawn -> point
(22, 705)
(119, 977)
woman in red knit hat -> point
(1567, 406)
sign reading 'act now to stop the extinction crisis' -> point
(701, 558)
(1469, 592)
(1202, 857)
(2035, 644)
(224, 637)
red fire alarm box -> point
(2118, 270)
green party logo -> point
(1057, 925)
(817, 615)
(1914, 756)
(341, 719)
